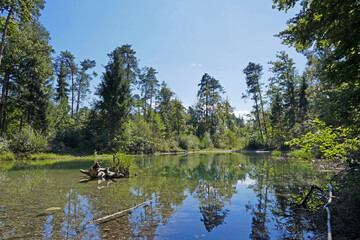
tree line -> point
(42, 92)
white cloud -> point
(199, 65)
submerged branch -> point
(313, 187)
(123, 211)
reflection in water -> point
(199, 195)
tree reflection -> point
(211, 179)
(259, 230)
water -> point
(200, 196)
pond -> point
(200, 196)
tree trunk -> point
(72, 94)
(4, 34)
(258, 118)
(262, 109)
(78, 100)
(3, 100)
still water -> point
(200, 196)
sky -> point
(181, 39)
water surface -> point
(200, 196)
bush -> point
(138, 145)
(7, 156)
(168, 145)
(188, 142)
(301, 154)
(276, 153)
(327, 142)
(206, 141)
(122, 163)
(4, 145)
(27, 142)
(255, 143)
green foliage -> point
(7, 156)
(301, 154)
(253, 74)
(27, 141)
(123, 163)
(114, 93)
(138, 137)
(206, 141)
(4, 145)
(188, 142)
(276, 153)
(328, 142)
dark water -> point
(201, 196)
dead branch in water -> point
(123, 211)
(313, 187)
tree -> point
(177, 116)
(114, 93)
(303, 101)
(326, 27)
(209, 95)
(329, 29)
(73, 71)
(130, 63)
(164, 104)
(61, 72)
(253, 74)
(27, 62)
(149, 86)
(282, 86)
(83, 79)
(18, 11)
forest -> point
(45, 104)
(44, 107)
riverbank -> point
(8, 156)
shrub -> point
(301, 154)
(4, 145)
(206, 141)
(168, 145)
(188, 142)
(327, 142)
(122, 163)
(7, 156)
(27, 141)
(276, 153)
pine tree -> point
(114, 93)
(209, 95)
(149, 86)
(82, 81)
(253, 74)
(284, 84)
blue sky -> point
(181, 39)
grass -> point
(276, 153)
(9, 156)
(300, 154)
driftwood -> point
(328, 211)
(96, 171)
(123, 211)
(326, 207)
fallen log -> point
(123, 211)
(96, 171)
(328, 212)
